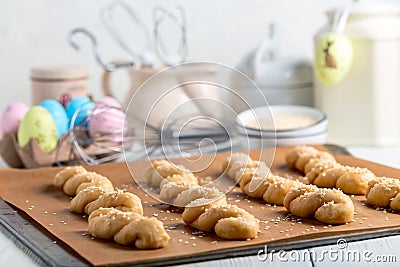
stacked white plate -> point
(282, 125)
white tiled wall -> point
(33, 32)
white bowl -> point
(263, 115)
(313, 133)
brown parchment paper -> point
(31, 192)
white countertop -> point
(372, 252)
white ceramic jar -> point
(364, 109)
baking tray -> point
(46, 249)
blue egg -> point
(81, 103)
(58, 114)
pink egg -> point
(12, 117)
(108, 101)
(107, 124)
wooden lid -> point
(59, 72)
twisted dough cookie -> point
(352, 180)
(326, 205)
(171, 179)
(322, 170)
(74, 179)
(384, 192)
(206, 208)
(227, 221)
(113, 214)
(299, 157)
(127, 228)
(162, 169)
(256, 180)
(92, 198)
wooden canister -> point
(61, 83)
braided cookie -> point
(161, 169)
(384, 192)
(322, 170)
(173, 185)
(206, 208)
(171, 179)
(235, 165)
(199, 192)
(326, 205)
(256, 180)
(299, 157)
(92, 198)
(62, 176)
(227, 221)
(352, 180)
(127, 228)
(74, 179)
(113, 214)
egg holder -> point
(74, 147)
(32, 156)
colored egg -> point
(333, 58)
(38, 124)
(107, 124)
(12, 117)
(108, 101)
(80, 104)
(58, 114)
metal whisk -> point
(132, 138)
